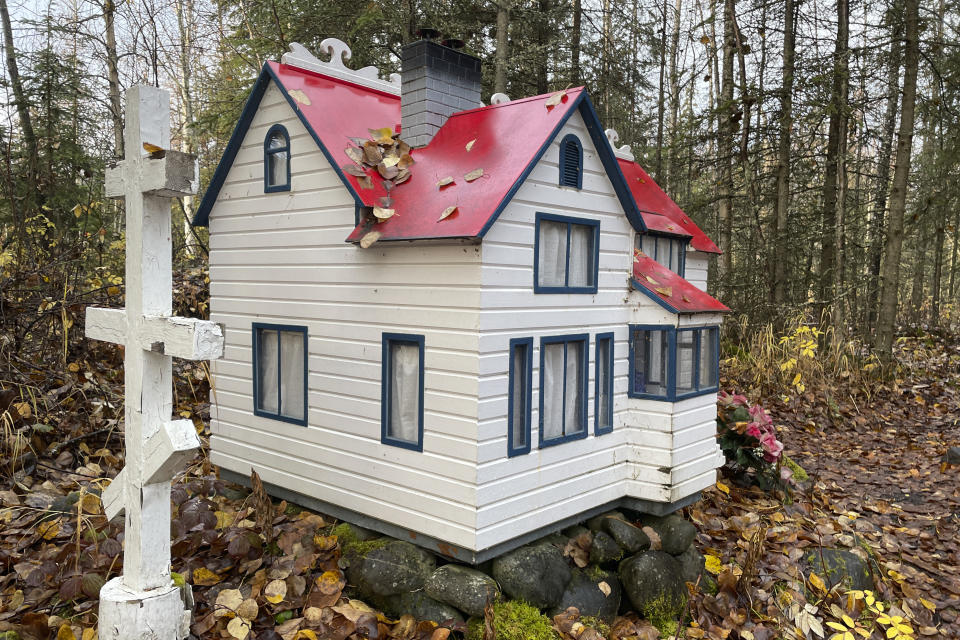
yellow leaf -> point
(275, 591)
(796, 379)
(383, 135)
(605, 588)
(248, 609)
(817, 583)
(369, 239)
(664, 291)
(151, 148)
(73, 367)
(328, 582)
(929, 605)
(836, 625)
(651, 281)
(299, 96)
(442, 182)
(23, 408)
(90, 503)
(238, 628)
(65, 632)
(470, 144)
(383, 214)
(473, 175)
(449, 211)
(89, 634)
(306, 634)
(203, 577)
(723, 488)
(48, 530)
(713, 564)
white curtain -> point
(278, 167)
(404, 391)
(649, 245)
(581, 255)
(603, 382)
(519, 391)
(685, 346)
(292, 372)
(553, 254)
(551, 386)
(267, 371)
(656, 382)
(573, 402)
(708, 358)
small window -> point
(668, 363)
(603, 394)
(276, 160)
(402, 391)
(670, 252)
(566, 254)
(521, 385)
(280, 372)
(571, 162)
(649, 350)
(563, 388)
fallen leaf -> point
(724, 488)
(473, 175)
(605, 588)
(664, 291)
(449, 211)
(405, 161)
(238, 628)
(470, 144)
(651, 281)
(817, 583)
(354, 154)
(365, 182)
(383, 214)
(556, 99)
(299, 96)
(227, 603)
(383, 135)
(369, 239)
(354, 170)
(275, 591)
(203, 577)
(442, 182)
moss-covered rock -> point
(536, 574)
(419, 605)
(676, 534)
(604, 549)
(630, 538)
(395, 567)
(357, 541)
(692, 565)
(652, 582)
(514, 620)
(596, 523)
(593, 592)
(837, 566)
(466, 589)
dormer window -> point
(571, 162)
(665, 250)
(276, 160)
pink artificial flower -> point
(739, 399)
(771, 446)
(754, 430)
(759, 415)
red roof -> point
(663, 224)
(670, 290)
(652, 199)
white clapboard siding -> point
(695, 268)
(281, 258)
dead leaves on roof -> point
(383, 135)
(473, 175)
(300, 97)
(443, 182)
(664, 291)
(449, 211)
(556, 99)
(383, 214)
(369, 239)
(386, 153)
(470, 145)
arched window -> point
(276, 160)
(571, 162)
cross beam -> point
(156, 446)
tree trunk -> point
(185, 23)
(574, 43)
(890, 281)
(725, 145)
(955, 254)
(673, 76)
(939, 210)
(782, 207)
(661, 93)
(113, 77)
(503, 42)
(19, 97)
(543, 46)
(835, 151)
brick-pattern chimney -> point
(436, 82)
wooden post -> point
(143, 602)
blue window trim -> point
(528, 399)
(568, 220)
(385, 377)
(267, 152)
(608, 340)
(682, 254)
(584, 375)
(672, 395)
(565, 144)
(257, 328)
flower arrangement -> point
(749, 441)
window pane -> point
(551, 387)
(573, 400)
(708, 358)
(604, 355)
(404, 391)
(650, 362)
(267, 371)
(519, 394)
(686, 341)
(552, 246)
(581, 255)
(291, 375)
(649, 246)
(277, 167)
(277, 140)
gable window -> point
(603, 394)
(280, 372)
(566, 254)
(670, 252)
(571, 162)
(521, 385)
(276, 160)
(669, 364)
(563, 388)
(401, 391)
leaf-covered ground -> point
(269, 570)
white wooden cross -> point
(156, 446)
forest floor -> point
(877, 488)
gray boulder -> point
(837, 565)
(585, 592)
(692, 564)
(676, 534)
(418, 605)
(652, 582)
(604, 549)
(596, 523)
(396, 567)
(575, 531)
(466, 589)
(630, 538)
(952, 456)
(537, 574)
